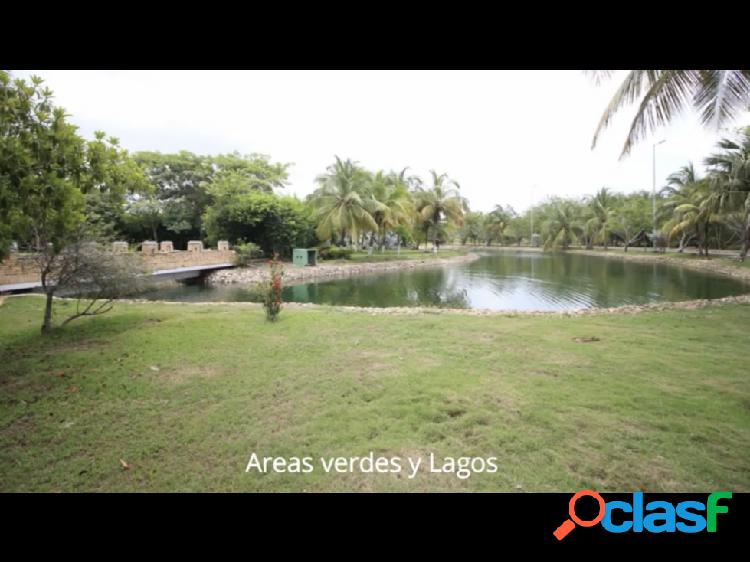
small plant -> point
(245, 253)
(272, 289)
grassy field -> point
(717, 258)
(185, 393)
(392, 255)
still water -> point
(506, 280)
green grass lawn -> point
(717, 258)
(392, 255)
(185, 393)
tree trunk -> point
(47, 325)
(746, 243)
(705, 238)
(156, 239)
(683, 240)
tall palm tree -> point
(389, 203)
(439, 205)
(730, 176)
(700, 211)
(680, 189)
(601, 224)
(338, 202)
(716, 94)
(562, 228)
(496, 223)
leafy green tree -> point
(46, 173)
(405, 234)
(633, 215)
(183, 181)
(276, 224)
(144, 214)
(473, 227)
(518, 228)
(259, 172)
(179, 181)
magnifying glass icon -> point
(569, 524)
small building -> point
(305, 256)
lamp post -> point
(653, 193)
(531, 216)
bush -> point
(272, 289)
(335, 253)
(276, 224)
(246, 252)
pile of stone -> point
(296, 275)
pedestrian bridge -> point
(21, 273)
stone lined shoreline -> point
(298, 275)
(704, 265)
(709, 266)
(414, 310)
(330, 271)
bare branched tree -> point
(89, 272)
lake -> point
(499, 280)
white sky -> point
(499, 133)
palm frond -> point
(668, 94)
(720, 94)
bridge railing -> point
(22, 268)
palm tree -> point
(716, 94)
(496, 223)
(600, 226)
(439, 205)
(700, 210)
(338, 202)
(389, 203)
(562, 228)
(730, 176)
(680, 189)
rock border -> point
(422, 310)
(710, 266)
(299, 275)
(701, 265)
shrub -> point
(336, 253)
(246, 252)
(276, 224)
(272, 289)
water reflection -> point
(500, 281)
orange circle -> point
(572, 508)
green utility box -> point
(305, 256)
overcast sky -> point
(507, 137)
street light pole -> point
(653, 193)
(531, 215)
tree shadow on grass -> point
(83, 333)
